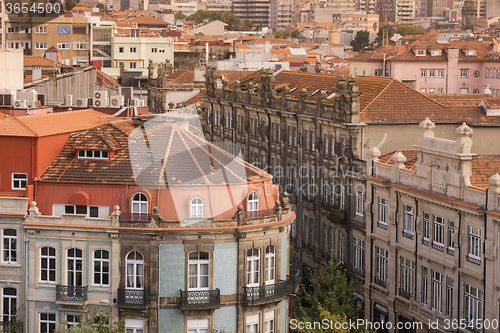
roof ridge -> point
(24, 125)
(424, 95)
(380, 93)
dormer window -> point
(93, 154)
(435, 53)
(420, 53)
(470, 52)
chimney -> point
(267, 46)
(36, 73)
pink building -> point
(437, 67)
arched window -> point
(101, 267)
(47, 264)
(9, 300)
(270, 264)
(253, 202)
(487, 73)
(253, 267)
(196, 207)
(199, 270)
(75, 267)
(140, 203)
(135, 270)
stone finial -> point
(115, 216)
(303, 94)
(427, 125)
(351, 84)
(34, 209)
(171, 105)
(286, 91)
(494, 181)
(239, 215)
(399, 159)
(318, 68)
(225, 83)
(237, 85)
(464, 141)
(286, 201)
(374, 153)
(464, 130)
(341, 84)
(304, 66)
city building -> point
(227, 249)
(431, 217)
(256, 11)
(464, 67)
(280, 13)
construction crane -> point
(385, 29)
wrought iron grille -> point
(140, 217)
(132, 297)
(292, 280)
(260, 213)
(404, 293)
(265, 293)
(71, 293)
(200, 298)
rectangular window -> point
(472, 304)
(408, 221)
(423, 73)
(381, 258)
(341, 246)
(332, 147)
(72, 320)
(474, 253)
(449, 297)
(63, 46)
(9, 301)
(19, 181)
(252, 324)
(359, 204)
(80, 45)
(40, 30)
(382, 212)
(425, 228)
(161, 49)
(407, 278)
(424, 286)
(270, 265)
(101, 268)
(432, 73)
(423, 90)
(464, 73)
(432, 90)
(9, 246)
(133, 49)
(451, 232)
(47, 322)
(325, 141)
(253, 267)
(438, 233)
(154, 50)
(269, 322)
(440, 73)
(93, 154)
(359, 255)
(133, 65)
(63, 30)
(464, 90)
(440, 90)
(436, 290)
(325, 241)
(121, 49)
(342, 197)
(48, 264)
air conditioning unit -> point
(7, 98)
(135, 102)
(28, 95)
(82, 102)
(68, 100)
(100, 99)
(21, 104)
(142, 103)
(116, 101)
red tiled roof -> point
(410, 154)
(30, 61)
(105, 79)
(483, 167)
(380, 53)
(181, 76)
(149, 20)
(270, 40)
(51, 123)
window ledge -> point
(438, 246)
(473, 260)
(382, 225)
(407, 234)
(6, 264)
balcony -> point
(404, 293)
(337, 216)
(132, 297)
(265, 293)
(261, 213)
(71, 293)
(380, 282)
(200, 299)
(135, 217)
(292, 281)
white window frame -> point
(41, 30)
(142, 206)
(425, 227)
(63, 46)
(196, 326)
(436, 291)
(464, 73)
(425, 285)
(408, 220)
(341, 246)
(270, 265)
(474, 244)
(196, 207)
(269, 325)
(253, 201)
(41, 46)
(472, 304)
(51, 320)
(49, 260)
(93, 154)
(72, 319)
(199, 270)
(381, 260)
(100, 263)
(9, 304)
(450, 234)
(342, 197)
(252, 323)
(74, 267)
(17, 181)
(440, 73)
(407, 275)
(133, 49)
(383, 208)
(359, 253)
(438, 232)
(9, 246)
(423, 73)
(360, 204)
(432, 73)
(135, 270)
(253, 267)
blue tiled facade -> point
(172, 268)
(226, 267)
(170, 321)
(225, 319)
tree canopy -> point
(179, 16)
(95, 320)
(361, 40)
(404, 30)
(232, 21)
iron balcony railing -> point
(261, 213)
(135, 217)
(337, 216)
(265, 293)
(132, 297)
(404, 293)
(292, 281)
(200, 299)
(71, 293)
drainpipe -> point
(484, 256)
(383, 66)
(25, 284)
(159, 290)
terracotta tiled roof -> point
(483, 167)
(188, 160)
(270, 40)
(181, 76)
(30, 61)
(53, 49)
(149, 20)
(195, 100)
(380, 53)
(51, 123)
(410, 154)
(105, 79)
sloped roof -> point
(410, 154)
(181, 76)
(51, 123)
(150, 20)
(380, 53)
(270, 40)
(30, 61)
(186, 158)
(105, 79)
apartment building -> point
(360, 21)
(256, 11)
(280, 13)
(431, 217)
(405, 10)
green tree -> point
(296, 33)
(361, 40)
(410, 30)
(246, 25)
(96, 320)
(179, 16)
(102, 7)
(334, 298)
